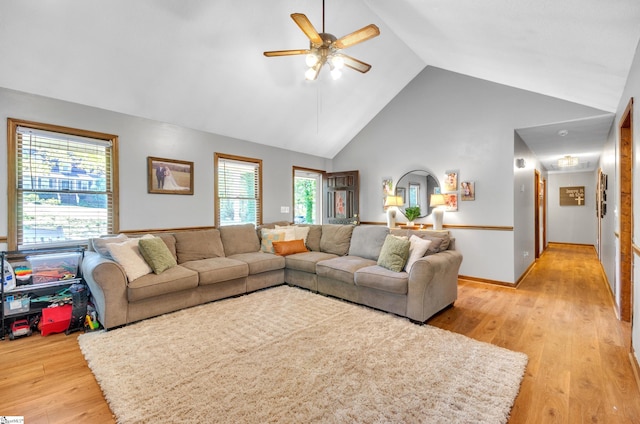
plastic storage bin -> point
(14, 306)
(54, 267)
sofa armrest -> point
(108, 284)
(433, 284)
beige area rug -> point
(286, 355)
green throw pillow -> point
(157, 254)
(394, 253)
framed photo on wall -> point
(169, 176)
(451, 202)
(468, 190)
(450, 181)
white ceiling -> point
(199, 63)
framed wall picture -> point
(169, 176)
(468, 190)
(451, 202)
(450, 181)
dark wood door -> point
(340, 197)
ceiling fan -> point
(325, 48)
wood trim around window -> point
(12, 213)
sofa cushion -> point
(198, 244)
(336, 238)
(380, 278)
(342, 268)
(128, 255)
(216, 270)
(313, 237)
(285, 248)
(307, 261)
(156, 253)
(367, 241)
(260, 262)
(239, 239)
(170, 241)
(172, 280)
(394, 253)
(417, 249)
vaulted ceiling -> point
(199, 63)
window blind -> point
(64, 188)
(239, 191)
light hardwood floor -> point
(562, 316)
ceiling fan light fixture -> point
(337, 62)
(336, 73)
(311, 60)
(312, 73)
(568, 161)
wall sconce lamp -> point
(521, 163)
(437, 202)
(391, 204)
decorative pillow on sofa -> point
(299, 233)
(100, 244)
(417, 249)
(440, 240)
(156, 253)
(284, 248)
(198, 244)
(128, 256)
(394, 253)
(268, 237)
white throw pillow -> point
(417, 249)
(129, 257)
(299, 233)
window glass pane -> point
(238, 191)
(306, 197)
(63, 188)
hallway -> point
(562, 316)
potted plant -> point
(412, 213)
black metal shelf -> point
(18, 256)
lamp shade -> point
(437, 200)
(392, 201)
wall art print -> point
(169, 176)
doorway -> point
(540, 214)
(625, 134)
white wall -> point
(442, 121)
(524, 207)
(139, 138)
(573, 224)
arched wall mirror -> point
(415, 188)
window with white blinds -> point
(238, 190)
(63, 187)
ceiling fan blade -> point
(355, 64)
(306, 27)
(363, 34)
(286, 52)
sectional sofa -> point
(343, 261)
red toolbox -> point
(55, 319)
